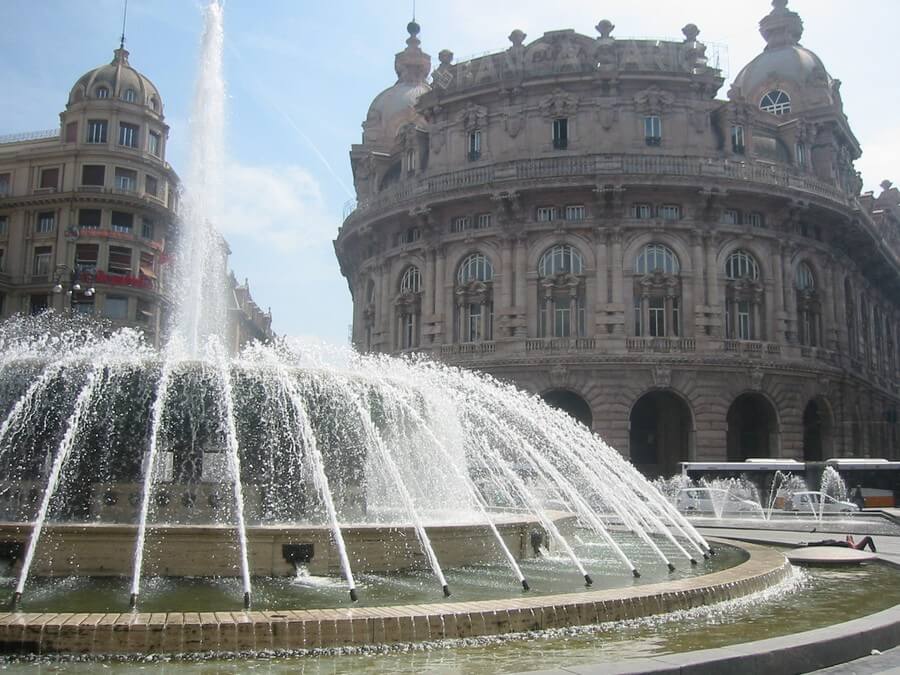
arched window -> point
(741, 265)
(408, 306)
(102, 92)
(474, 300)
(561, 296)
(776, 102)
(657, 292)
(154, 104)
(130, 96)
(809, 313)
(475, 268)
(656, 257)
(744, 298)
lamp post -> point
(74, 282)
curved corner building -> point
(694, 278)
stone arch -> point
(571, 403)
(660, 432)
(486, 248)
(753, 427)
(673, 241)
(752, 247)
(538, 247)
(818, 425)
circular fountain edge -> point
(248, 631)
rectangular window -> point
(800, 151)
(561, 133)
(473, 322)
(96, 131)
(39, 304)
(657, 317)
(122, 222)
(126, 180)
(676, 317)
(151, 185)
(652, 130)
(5, 184)
(743, 317)
(4, 226)
(46, 222)
(71, 132)
(147, 228)
(670, 212)
(128, 135)
(93, 174)
(737, 139)
(89, 219)
(575, 212)
(148, 265)
(119, 261)
(411, 161)
(756, 219)
(49, 179)
(409, 323)
(484, 221)
(731, 217)
(546, 213)
(461, 224)
(41, 266)
(144, 312)
(154, 144)
(83, 305)
(474, 145)
(563, 320)
(86, 256)
(115, 307)
(642, 211)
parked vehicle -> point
(818, 502)
(714, 501)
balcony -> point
(752, 348)
(561, 345)
(660, 345)
(590, 167)
(468, 348)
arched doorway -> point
(752, 428)
(571, 403)
(660, 433)
(816, 431)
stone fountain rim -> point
(286, 630)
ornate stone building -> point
(88, 210)
(695, 278)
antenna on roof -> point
(124, 17)
(414, 10)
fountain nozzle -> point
(446, 589)
(587, 580)
(525, 586)
(671, 567)
(693, 561)
(711, 551)
(14, 603)
(132, 601)
(635, 573)
(353, 596)
(247, 600)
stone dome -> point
(395, 106)
(117, 80)
(784, 64)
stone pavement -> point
(886, 662)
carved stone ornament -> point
(514, 121)
(558, 104)
(662, 376)
(653, 100)
(756, 378)
(438, 138)
(559, 376)
(473, 117)
(607, 116)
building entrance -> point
(752, 428)
(571, 403)
(661, 433)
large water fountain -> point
(130, 463)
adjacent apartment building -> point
(695, 278)
(88, 211)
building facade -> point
(88, 211)
(694, 278)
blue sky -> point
(301, 75)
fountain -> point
(288, 461)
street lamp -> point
(73, 281)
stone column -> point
(756, 333)
(829, 333)
(602, 267)
(430, 287)
(617, 280)
(670, 325)
(790, 300)
(712, 284)
(521, 302)
(506, 269)
(442, 324)
(573, 314)
(645, 315)
(385, 307)
(778, 269)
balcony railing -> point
(591, 166)
(578, 344)
(660, 344)
(468, 348)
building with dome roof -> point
(88, 211)
(694, 278)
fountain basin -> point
(104, 549)
(206, 632)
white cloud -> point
(279, 205)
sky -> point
(302, 73)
